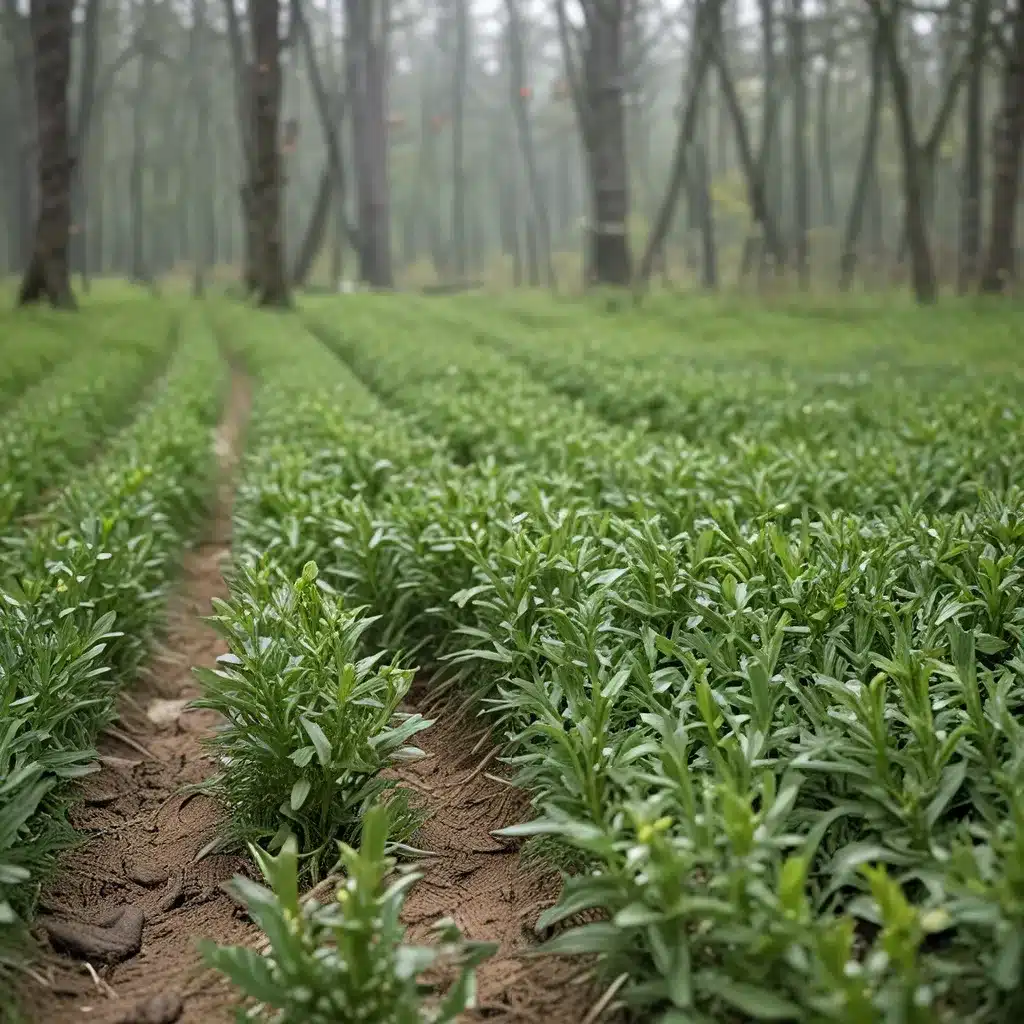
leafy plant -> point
(310, 725)
(344, 960)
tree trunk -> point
(264, 18)
(82, 131)
(705, 217)
(922, 270)
(140, 119)
(243, 81)
(316, 229)
(823, 137)
(332, 182)
(970, 208)
(753, 168)
(203, 219)
(520, 96)
(865, 169)
(460, 70)
(23, 135)
(1006, 164)
(368, 72)
(47, 273)
(705, 22)
(611, 262)
(799, 75)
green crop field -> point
(733, 594)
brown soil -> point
(482, 881)
(144, 832)
(130, 902)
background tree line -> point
(300, 142)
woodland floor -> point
(121, 917)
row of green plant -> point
(782, 733)
(942, 447)
(312, 720)
(80, 595)
(31, 346)
(61, 421)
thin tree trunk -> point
(801, 214)
(368, 65)
(24, 137)
(1006, 165)
(752, 168)
(267, 184)
(823, 137)
(140, 119)
(706, 20)
(865, 169)
(922, 269)
(252, 258)
(47, 273)
(331, 113)
(83, 126)
(974, 112)
(460, 70)
(519, 88)
(316, 229)
(611, 262)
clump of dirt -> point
(483, 882)
(129, 902)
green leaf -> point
(320, 741)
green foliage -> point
(61, 421)
(746, 608)
(344, 960)
(309, 724)
(81, 593)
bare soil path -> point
(483, 882)
(128, 904)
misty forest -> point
(511, 510)
(847, 143)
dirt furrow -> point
(128, 904)
(484, 883)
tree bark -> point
(264, 18)
(706, 21)
(598, 87)
(823, 137)
(47, 273)
(460, 71)
(524, 129)
(801, 213)
(24, 136)
(331, 112)
(140, 118)
(83, 125)
(970, 205)
(865, 169)
(1006, 164)
(753, 168)
(922, 270)
(368, 62)
(242, 76)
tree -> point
(915, 225)
(1006, 161)
(368, 65)
(594, 69)
(48, 272)
(265, 17)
